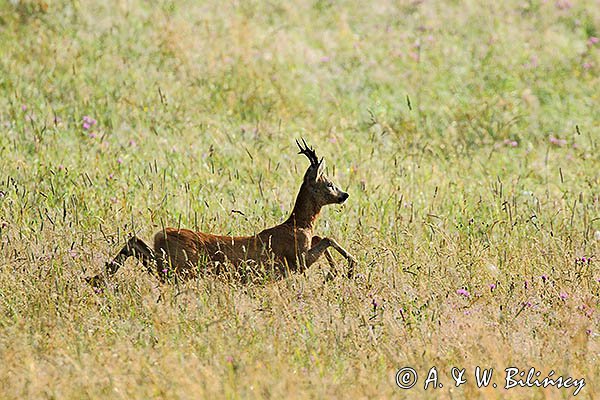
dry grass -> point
(197, 107)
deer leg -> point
(346, 255)
(321, 247)
(330, 260)
(135, 247)
(332, 273)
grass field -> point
(466, 132)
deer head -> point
(321, 189)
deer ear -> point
(312, 173)
(321, 168)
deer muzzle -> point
(343, 197)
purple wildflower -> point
(492, 287)
(563, 295)
(592, 40)
(533, 61)
(463, 292)
(374, 303)
(563, 4)
(557, 142)
(88, 122)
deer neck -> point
(306, 210)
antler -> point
(309, 152)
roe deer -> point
(288, 246)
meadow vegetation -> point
(466, 133)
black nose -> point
(343, 197)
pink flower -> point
(592, 40)
(563, 295)
(88, 122)
(557, 142)
(463, 292)
(24, 107)
(119, 160)
(563, 4)
(492, 287)
(587, 65)
(533, 61)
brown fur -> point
(289, 246)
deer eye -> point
(329, 185)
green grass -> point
(412, 104)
